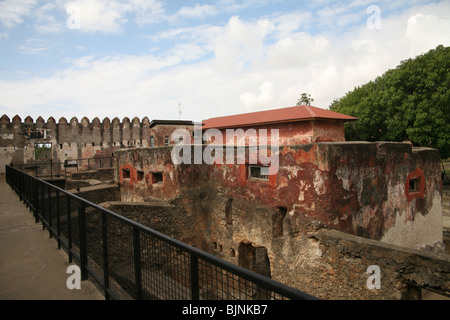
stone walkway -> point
(31, 266)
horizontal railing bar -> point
(55, 163)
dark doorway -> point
(254, 259)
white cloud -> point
(425, 31)
(289, 23)
(241, 43)
(46, 21)
(13, 12)
(147, 11)
(96, 15)
(198, 11)
(298, 49)
(110, 16)
(263, 100)
(235, 5)
(34, 46)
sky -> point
(194, 60)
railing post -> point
(69, 230)
(137, 264)
(49, 193)
(105, 255)
(19, 189)
(36, 200)
(194, 278)
(83, 244)
(58, 222)
(27, 192)
(43, 206)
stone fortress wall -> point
(75, 139)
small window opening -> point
(42, 151)
(152, 141)
(258, 172)
(414, 185)
(157, 177)
(166, 140)
(126, 173)
(140, 175)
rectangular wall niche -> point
(228, 212)
(157, 177)
(126, 173)
(277, 220)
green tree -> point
(410, 102)
(305, 99)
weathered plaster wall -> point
(319, 187)
(358, 188)
(159, 132)
(291, 133)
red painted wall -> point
(290, 133)
(359, 188)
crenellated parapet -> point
(111, 133)
(76, 139)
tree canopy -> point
(305, 99)
(410, 102)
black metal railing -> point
(56, 169)
(127, 260)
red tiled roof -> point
(291, 114)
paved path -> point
(31, 266)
